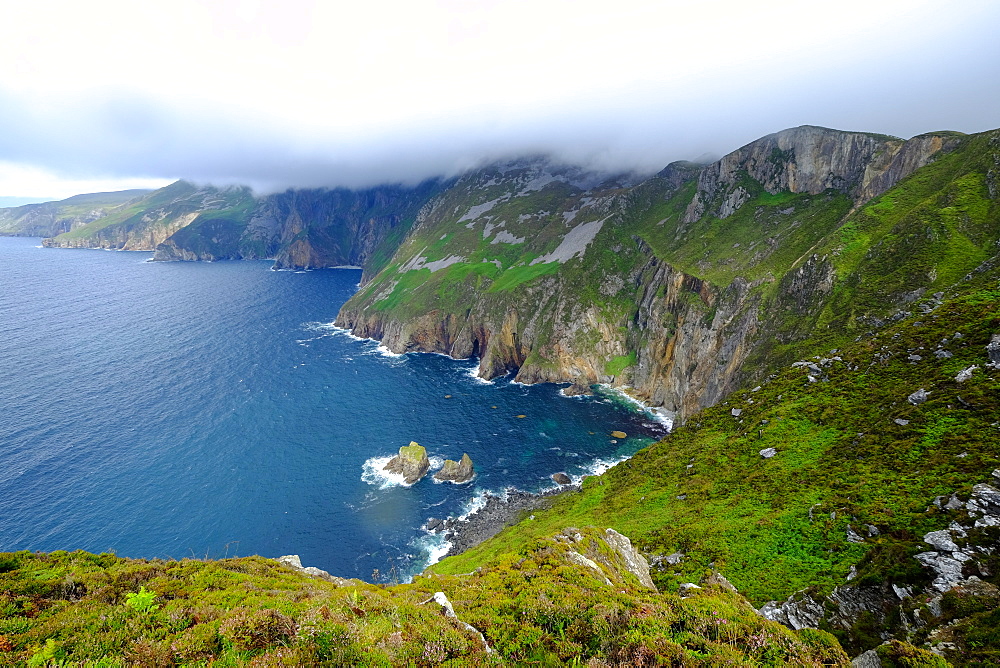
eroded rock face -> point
(811, 159)
(456, 472)
(952, 562)
(411, 463)
(611, 566)
(690, 339)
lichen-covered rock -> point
(456, 472)
(411, 463)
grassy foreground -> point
(852, 451)
(539, 605)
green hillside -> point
(51, 218)
(142, 223)
(566, 600)
(825, 323)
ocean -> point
(206, 410)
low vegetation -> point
(534, 606)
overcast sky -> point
(107, 95)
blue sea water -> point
(210, 409)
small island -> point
(456, 472)
(411, 463)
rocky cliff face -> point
(297, 228)
(148, 221)
(811, 159)
(305, 229)
(52, 218)
(676, 290)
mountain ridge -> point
(822, 318)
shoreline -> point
(496, 514)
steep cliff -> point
(147, 221)
(51, 218)
(326, 228)
(684, 286)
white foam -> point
(478, 502)
(473, 373)
(384, 351)
(657, 414)
(373, 472)
(598, 467)
(379, 349)
(434, 545)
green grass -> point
(515, 276)
(838, 452)
(533, 606)
(616, 365)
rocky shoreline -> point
(498, 513)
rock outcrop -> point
(618, 562)
(810, 159)
(955, 562)
(295, 563)
(664, 331)
(411, 463)
(456, 472)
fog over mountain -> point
(307, 94)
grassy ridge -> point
(535, 606)
(707, 492)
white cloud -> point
(311, 93)
(42, 185)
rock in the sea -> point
(561, 478)
(456, 472)
(411, 463)
(618, 434)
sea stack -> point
(456, 472)
(411, 463)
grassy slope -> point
(78, 206)
(174, 200)
(839, 452)
(534, 607)
(486, 268)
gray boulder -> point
(993, 351)
(867, 660)
(634, 561)
(561, 478)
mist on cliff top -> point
(307, 94)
